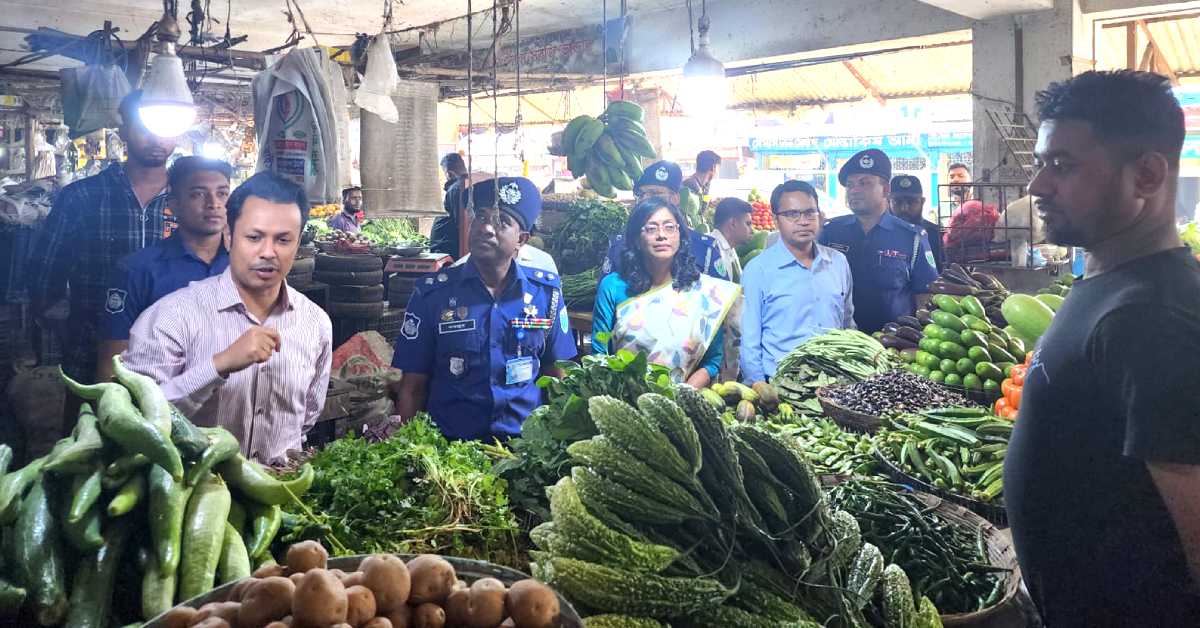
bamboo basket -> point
(847, 418)
(994, 513)
(1000, 551)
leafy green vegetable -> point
(390, 231)
(415, 492)
(541, 451)
(581, 241)
(318, 227)
(1190, 233)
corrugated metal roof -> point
(1177, 37)
(930, 71)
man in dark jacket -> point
(444, 238)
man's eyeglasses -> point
(795, 215)
(669, 228)
(492, 217)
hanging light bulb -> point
(703, 92)
(167, 108)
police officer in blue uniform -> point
(908, 202)
(476, 337)
(663, 179)
(198, 188)
(890, 259)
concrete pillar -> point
(1012, 58)
(994, 78)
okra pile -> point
(668, 515)
(135, 490)
(960, 450)
(830, 449)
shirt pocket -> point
(893, 272)
(462, 356)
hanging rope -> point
(519, 133)
(470, 104)
(495, 105)
(604, 57)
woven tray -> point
(467, 570)
(994, 513)
(845, 417)
(984, 399)
(1000, 551)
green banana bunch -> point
(607, 150)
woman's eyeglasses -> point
(669, 228)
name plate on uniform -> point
(454, 327)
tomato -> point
(1012, 393)
(1000, 407)
(1018, 374)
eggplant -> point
(891, 328)
(955, 273)
(924, 317)
(988, 281)
(895, 342)
(954, 289)
(908, 333)
(911, 321)
(997, 319)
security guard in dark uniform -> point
(908, 202)
(476, 337)
(889, 258)
(664, 178)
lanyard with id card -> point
(519, 370)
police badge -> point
(866, 162)
(412, 326)
(115, 303)
(510, 194)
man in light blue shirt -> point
(795, 289)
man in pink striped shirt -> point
(243, 350)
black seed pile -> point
(894, 392)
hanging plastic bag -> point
(375, 93)
(91, 97)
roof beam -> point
(871, 89)
(1160, 65)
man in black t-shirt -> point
(1102, 480)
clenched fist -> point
(253, 347)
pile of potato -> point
(384, 593)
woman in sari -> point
(658, 301)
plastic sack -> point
(379, 83)
(91, 97)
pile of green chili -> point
(944, 559)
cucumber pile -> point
(960, 450)
(958, 346)
(670, 516)
(136, 495)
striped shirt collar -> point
(228, 296)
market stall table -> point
(581, 328)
